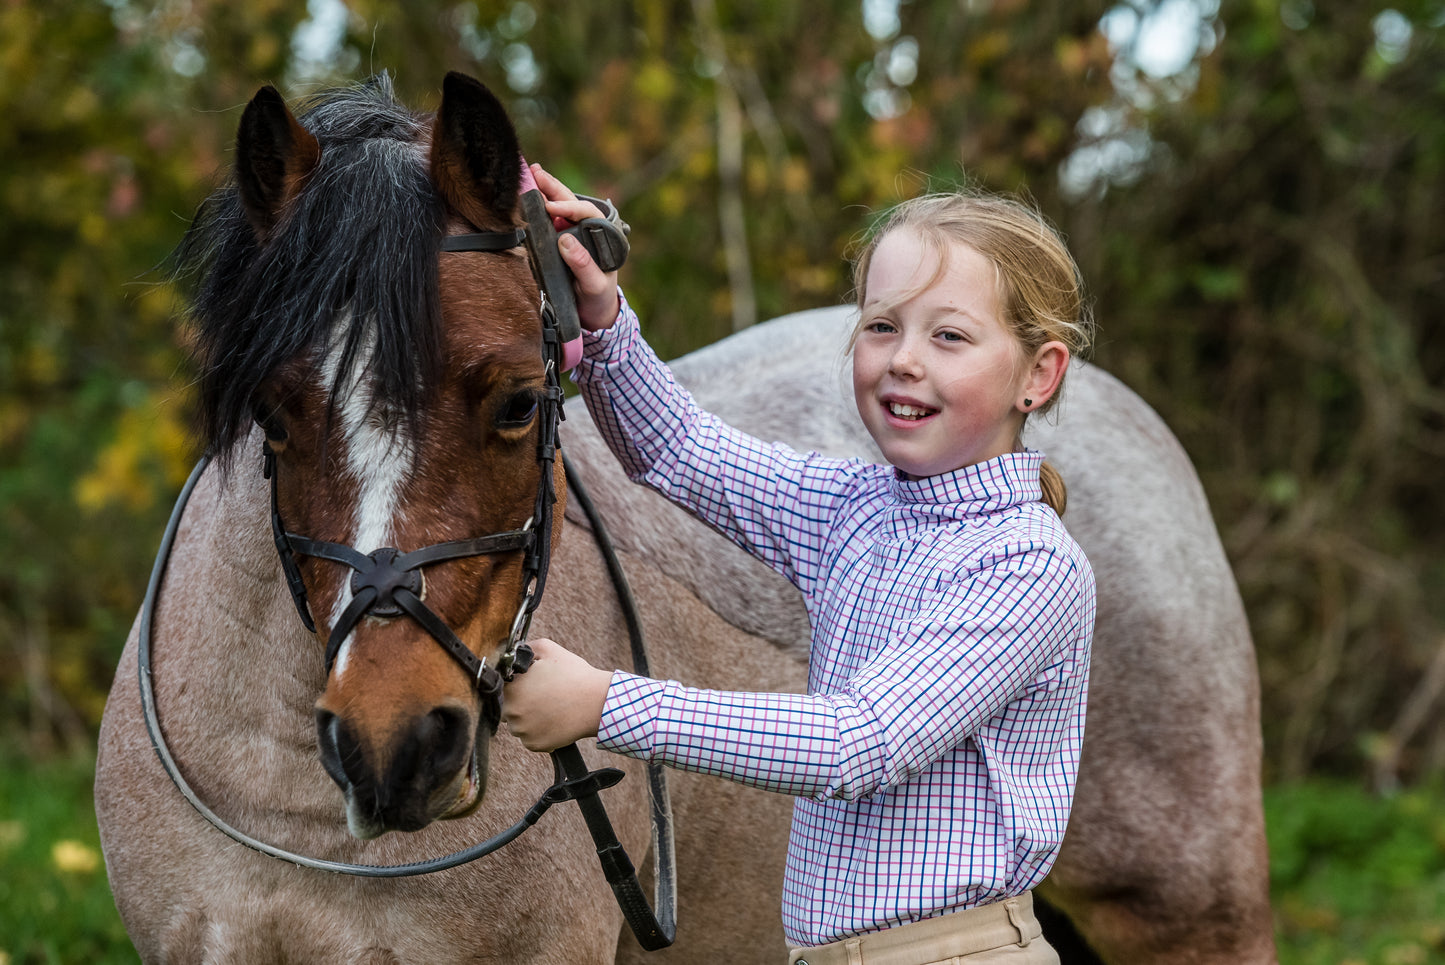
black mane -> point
(361, 237)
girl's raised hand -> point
(597, 303)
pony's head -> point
(398, 387)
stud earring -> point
(1028, 403)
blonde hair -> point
(1040, 288)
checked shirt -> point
(934, 755)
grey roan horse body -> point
(1165, 857)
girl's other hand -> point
(558, 701)
(597, 303)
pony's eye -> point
(269, 419)
(518, 411)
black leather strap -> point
(292, 572)
(653, 932)
(485, 240)
(516, 539)
(353, 613)
(437, 627)
(336, 552)
(663, 922)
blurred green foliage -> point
(1262, 228)
(1357, 878)
(1268, 283)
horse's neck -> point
(235, 671)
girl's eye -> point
(951, 336)
(881, 327)
(518, 410)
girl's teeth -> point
(906, 411)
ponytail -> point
(1055, 493)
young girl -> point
(934, 755)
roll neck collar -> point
(988, 486)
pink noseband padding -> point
(571, 354)
(529, 183)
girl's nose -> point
(904, 362)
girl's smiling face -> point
(939, 380)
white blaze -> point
(376, 457)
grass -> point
(1357, 879)
(55, 904)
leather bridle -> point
(387, 583)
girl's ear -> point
(1046, 371)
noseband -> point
(386, 582)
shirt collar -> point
(988, 486)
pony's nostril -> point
(334, 746)
(448, 735)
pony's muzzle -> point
(425, 768)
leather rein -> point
(388, 583)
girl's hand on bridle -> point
(558, 701)
(597, 303)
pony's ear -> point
(274, 156)
(475, 160)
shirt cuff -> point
(610, 345)
(628, 715)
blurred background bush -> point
(1254, 189)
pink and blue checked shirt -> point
(935, 753)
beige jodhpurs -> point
(1002, 933)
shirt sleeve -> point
(1005, 632)
(774, 502)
